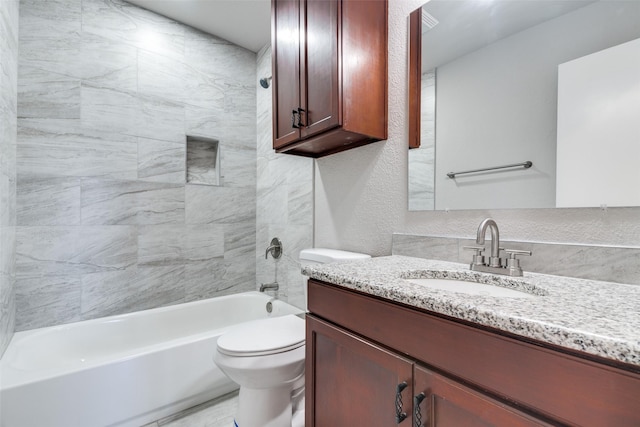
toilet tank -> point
(325, 256)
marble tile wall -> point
(8, 140)
(106, 224)
(607, 263)
(284, 202)
(421, 184)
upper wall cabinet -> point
(329, 75)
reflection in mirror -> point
(503, 82)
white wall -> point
(598, 129)
(514, 79)
(361, 194)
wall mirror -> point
(546, 92)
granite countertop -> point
(599, 318)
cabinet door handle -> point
(417, 413)
(295, 123)
(400, 416)
(300, 111)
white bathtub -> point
(124, 370)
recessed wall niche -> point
(203, 161)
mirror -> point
(524, 104)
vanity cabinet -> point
(361, 348)
(356, 381)
(329, 60)
(443, 402)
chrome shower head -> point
(265, 82)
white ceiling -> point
(243, 22)
(467, 25)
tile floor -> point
(215, 413)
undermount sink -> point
(471, 288)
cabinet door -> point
(320, 84)
(352, 382)
(285, 42)
(448, 403)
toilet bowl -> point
(266, 358)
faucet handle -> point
(515, 252)
(275, 248)
(478, 258)
(513, 263)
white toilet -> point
(266, 358)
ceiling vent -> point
(428, 21)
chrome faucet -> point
(512, 265)
(275, 249)
(269, 286)
(494, 259)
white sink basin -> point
(471, 288)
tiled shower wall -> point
(8, 100)
(107, 93)
(285, 201)
(421, 180)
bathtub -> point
(125, 370)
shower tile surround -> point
(421, 160)
(8, 141)
(107, 93)
(605, 263)
(203, 166)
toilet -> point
(325, 256)
(266, 358)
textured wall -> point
(284, 202)
(8, 105)
(106, 224)
(361, 194)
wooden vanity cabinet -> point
(360, 348)
(329, 61)
(355, 382)
(448, 403)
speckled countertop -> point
(599, 318)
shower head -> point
(265, 82)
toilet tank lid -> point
(324, 256)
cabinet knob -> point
(400, 416)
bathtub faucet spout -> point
(269, 286)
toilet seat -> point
(263, 337)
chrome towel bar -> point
(525, 165)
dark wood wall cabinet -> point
(329, 60)
(415, 77)
(371, 362)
